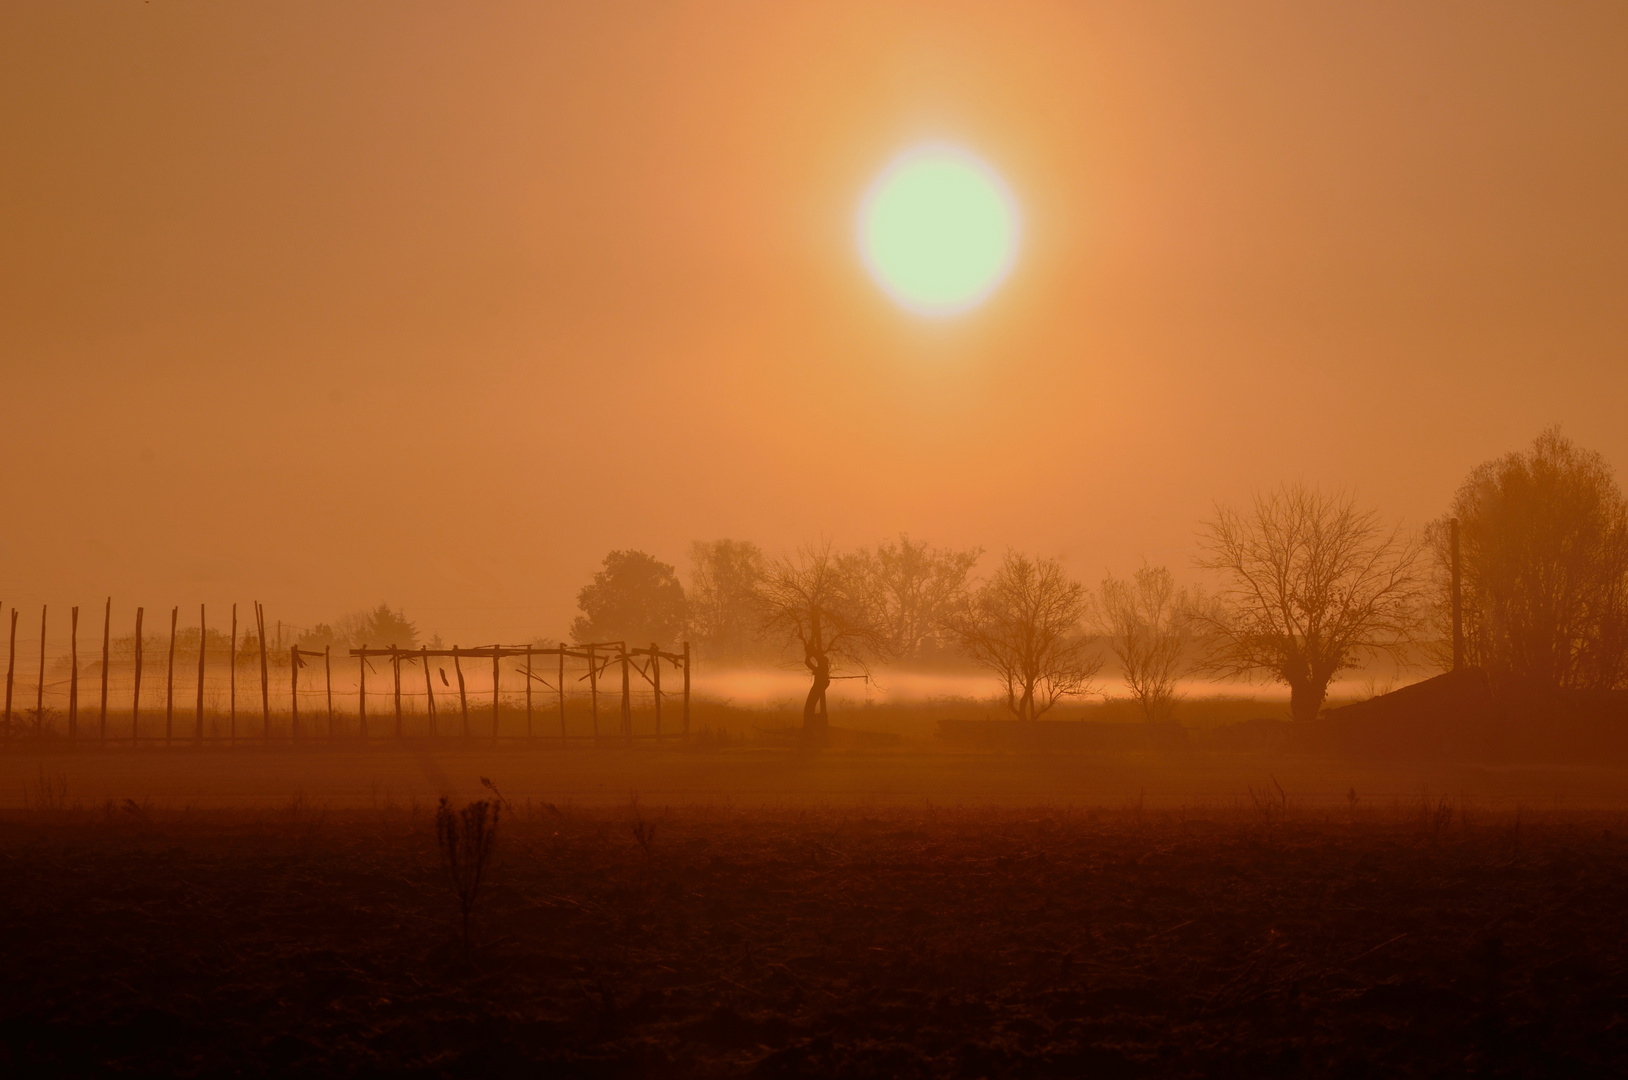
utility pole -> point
(1458, 598)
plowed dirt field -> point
(1433, 941)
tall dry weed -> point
(1271, 803)
(1435, 817)
(467, 839)
(48, 794)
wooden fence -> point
(545, 673)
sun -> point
(938, 230)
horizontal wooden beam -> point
(576, 652)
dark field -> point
(1422, 938)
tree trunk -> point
(1306, 699)
(814, 714)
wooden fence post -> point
(294, 691)
(627, 695)
(107, 640)
(135, 693)
(361, 692)
(463, 698)
(328, 677)
(169, 680)
(231, 678)
(560, 686)
(497, 660)
(655, 678)
(265, 677)
(686, 688)
(11, 667)
(39, 687)
(593, 688)
(202, 636)
(73, 676)
(528, 693)
(429, 686)
(395, 666)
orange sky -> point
(327, 304)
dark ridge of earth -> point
(882, 943)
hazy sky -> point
(324, 304)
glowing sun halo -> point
(938, 230)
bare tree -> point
(1145, 618)
(724, 577)
(1024, 624)
(821, 601)
(917, 589)
(1311, 586)
(1544, 551)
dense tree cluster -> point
(379, 627)
(1543, 537)
(1309, 584)
(633, 598)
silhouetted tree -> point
(822, 602)
(320, 636)
(1024, 624)
(1543, 536)
(634, 598)
(386, 627)
(918, 589)
(1145, 619)
(1311, 586)
(724, 579)
(379, 627)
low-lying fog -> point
(759, 687)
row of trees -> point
(1313, 587)
(1309, 585)
(907, 587)
(1029, 622)
(380, 626)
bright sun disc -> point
(938, 230)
